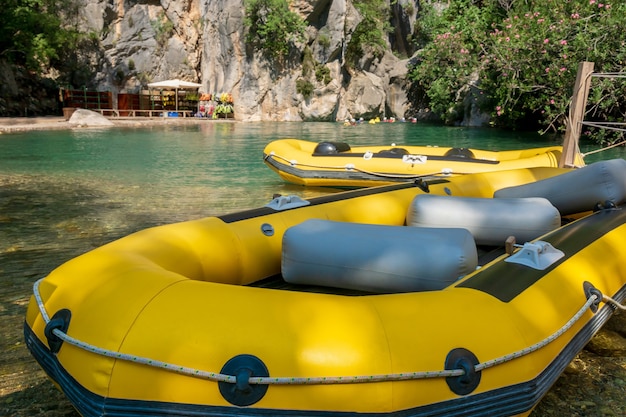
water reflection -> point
(64, 192)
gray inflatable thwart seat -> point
(579, 190)
(489, 220)
(376, 258)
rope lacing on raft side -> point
(352, 167)
(217, 377)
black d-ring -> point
(465, 360)
(242, 393)
(422, 185)
(60, 321)
(604, 205)
(591, 290)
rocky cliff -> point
(141, 41)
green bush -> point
(37, 33)
(324, 40)
(304, 87)
(525, 58)
(272, 27)
(119, 76)
(322, 74)
(163, 28)
(308, 62)
(371, 33)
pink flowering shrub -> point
(523, 60)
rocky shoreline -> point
(594, 384)
(23, 124)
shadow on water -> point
(43, 223)
(46, 222)
(44, 218)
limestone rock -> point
(84, 117)
(204, 41)
(364, 97)
(323, 106)
(143, 42)
(397, 101)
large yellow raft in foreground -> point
(196, 318)
(341, 165)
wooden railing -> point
(87, 99)
(130, 105)
(576, 118)
(116, 113)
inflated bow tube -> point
(489, 220)
(376, 258)
(579, 190)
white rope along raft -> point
(352, 167)
(217, 377)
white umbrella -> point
(176, 85)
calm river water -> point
(65, 192)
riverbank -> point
(23, 124)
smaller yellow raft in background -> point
(397, 300)
(339, 164)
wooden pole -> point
(576, 115)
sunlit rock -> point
(84, 117)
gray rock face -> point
(204, 41)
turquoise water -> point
(70, 190)
(104, 183)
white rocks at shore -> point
(84, 117)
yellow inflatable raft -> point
(338, 164)
(365, 301)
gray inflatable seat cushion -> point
(578, 190)
(491, 221)
(376, 258)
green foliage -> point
(192, 96)
(143, 78)
(324, 39)
(223, 108)
(32, 34)
(119, 76)
(322, 74)
(272, 27)
(163, 28)
(524, 57)
(409, 8)
(308, 62)
(371, 33)
(304, 87)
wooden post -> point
(576, 115)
